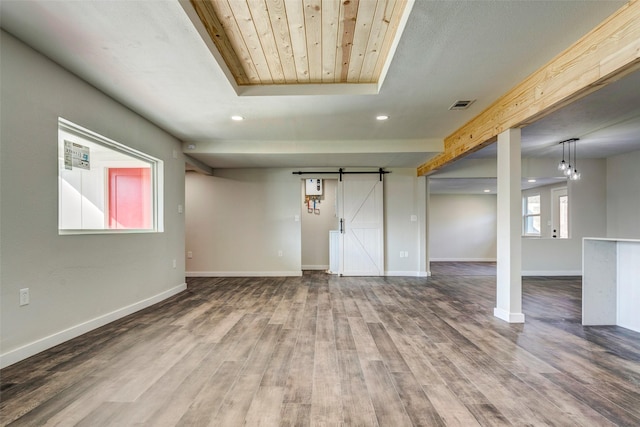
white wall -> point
(462, 227)
(623, 196)
(238, 220)
(316, 227)
(76, 282)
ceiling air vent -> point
(461, 105)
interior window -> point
(105, 186)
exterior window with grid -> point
(531, 215)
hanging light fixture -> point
(575, 175)
(569, 170)
(562, 166)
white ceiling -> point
(149, 56)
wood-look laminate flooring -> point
(324, 350)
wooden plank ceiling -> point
(276, 42)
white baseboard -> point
(21, 353)
(407, 273)
(315, 267)
(507, 316)
(551, 273)
(243, 273)
(462, 259)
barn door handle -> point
(341, 226)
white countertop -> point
(612, 239)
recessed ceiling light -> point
(382, 117)
(237, 118)
(487, 191)
(531, 180)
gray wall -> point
(623, 196)
(239, 219)
(587, 218)
(462, 227)
(76, 282)
(592, 200)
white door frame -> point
(361, 213)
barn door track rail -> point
(341, 172)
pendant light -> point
(562, 166)
(566, 167)
(567, 171)
(575, 175)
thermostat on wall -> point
(313, 187)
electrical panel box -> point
(313, 187)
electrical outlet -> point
(175, 263)
(189, 254)
(280, 253)
(24, 296)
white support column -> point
(509, 217)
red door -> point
(130, 198)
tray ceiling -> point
(299, 42)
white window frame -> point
(555, 212)
(68, 128)
(526, 216)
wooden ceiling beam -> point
(607, 53)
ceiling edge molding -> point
(396, 40)
(312, 147)
(309, 89)
(196, 165)
(607, 53)
(204, 35)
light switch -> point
(180, 209)
(414, 218)
(24, 296)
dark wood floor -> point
(324, 350)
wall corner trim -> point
(28, 350)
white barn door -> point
(362, 225)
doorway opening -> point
(319, 216)
(343, 227)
